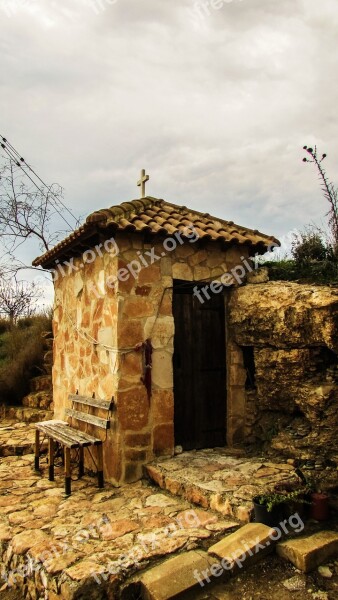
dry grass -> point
(21, 356)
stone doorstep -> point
(198, 495)
(195, 569)
(307, 553)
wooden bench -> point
(71, 438)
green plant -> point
(314, 272)
(287, 492)
(308, 246)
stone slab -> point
(224, 480)
(175, 576)
(307, 553)
(245, 546)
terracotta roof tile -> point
(156, 216)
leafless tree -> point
(18, 298)
(27, 211)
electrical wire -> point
(21, 163)
(40, 190)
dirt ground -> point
(264, 581)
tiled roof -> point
(157, 217)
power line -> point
(40, 190)
(21, 163)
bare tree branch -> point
(26, 211)
(18, 298)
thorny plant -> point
(330, 192)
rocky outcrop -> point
(291, 331)
(285, 315)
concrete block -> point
(175, 576)
(245, 546)
(306, 553)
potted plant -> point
(273, 506)
(268, 508)
(315, 497)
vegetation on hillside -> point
(21, 355)
(314, 251)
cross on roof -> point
(142, 183)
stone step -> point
(183, 574)
(228, 506)
(42, 399)
(41, 383)
(18, 439)
(308, 552)
(25, 414)
(175, 576)
(243, 547)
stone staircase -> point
(221, 479)
(190, 576)
(17, 432)
(191, 476)
(194, 570)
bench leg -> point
(51, 458)
(100, 466)
(81, 463)
(68, 490)
(37, 450)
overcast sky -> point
(216, 103)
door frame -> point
(179, 287)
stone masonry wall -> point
(86, 309)
(85, 312)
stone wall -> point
(85, 331)
(288, 396)
(90, 314)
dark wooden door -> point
(199, 369)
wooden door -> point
(199, 369)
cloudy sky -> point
(215, 102)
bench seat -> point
(61, 432)
(71, 438)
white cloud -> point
(217, 115)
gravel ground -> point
(265, 581)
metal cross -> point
(142, 183)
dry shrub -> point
(21, 357)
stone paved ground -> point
(17, 439)
(219, 480)
(93, 539)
